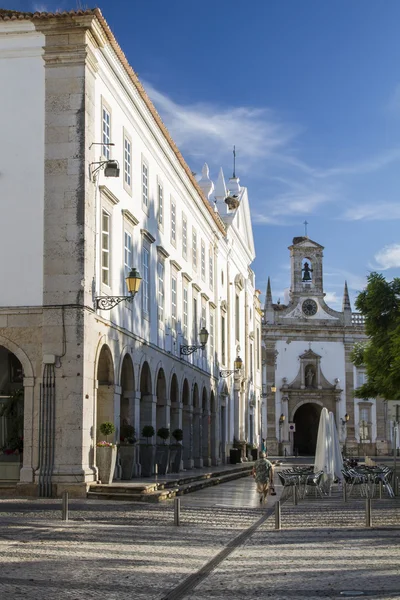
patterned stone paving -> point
(108, 550)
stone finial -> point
(346, 299)
(234, 186)
(205, 182)
(220, 192)
(268, 296)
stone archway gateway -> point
(306, 420)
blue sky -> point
(308, 91)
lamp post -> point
(186, 350)
(237, 366)
(133, 281)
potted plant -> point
(106, 454)
(176, 450)
(147, 452)
(127, 449)
(163, 451)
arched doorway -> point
(105, 390)
(11, 408)
(197, 428)
(147, 407)
(162, 408)
(176, 416)
(187, 426)
(206, 430)
(127, 412)
(306, 420)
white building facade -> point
(307, 366)
(72, 233)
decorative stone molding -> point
(130, 217)
(224, 306)
(239, 282)
(186, 276)
(147, 235)
(175, 265)
(162, 251)
(109, 195)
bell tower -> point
(306, 259)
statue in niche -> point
(307, 272)
(309, 375)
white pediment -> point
(320, 314)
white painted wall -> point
(21, 164)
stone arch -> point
(176, 405)
(300, 403)
(214, 418)
(187, 425)
(197, 427)
(306, 419)
(20, 354)
(206, 428)
(127, 384)
(147, 400)
(162, 404)
(105, 410)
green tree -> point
(380, 305)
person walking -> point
(263, 473)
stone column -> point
(197, 437)
(30, 458)
(187, 419)
(206, 438)
(148, 405)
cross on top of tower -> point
(305, 228)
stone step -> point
(157, 492)
(122, 488)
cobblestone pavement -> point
(110, 549)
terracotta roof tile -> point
(13, 15)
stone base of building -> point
(75, 490)
(382, 448)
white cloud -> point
(373, 212)
(388, 257)
(203, 128)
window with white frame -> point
(145, 281)
(251, 362)
(258, 348)
(145, 184)
(127, 252)
(203, 260)
(173, 222)
(174, 299)
(194, 248)
(211, 269)
(160, 204)
(105, 248)
(223, 340)
(211, 342)
(185, 309)
(106, 132)
(361, 378)
(127, 162)
(195, 326)
(184, 236)
(161, 294)
(203, 314)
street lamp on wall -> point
(203, 335)
(345, 419)
(237, 366)
(133, 281)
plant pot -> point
(127, 454)
(175, 458)
(106, 457)
(147, 459)
(254, 453)
(162, 459)
(235, 456)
